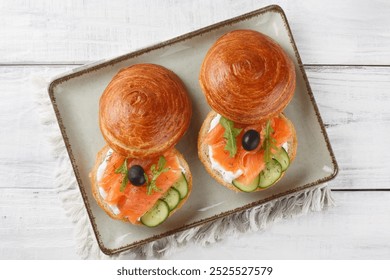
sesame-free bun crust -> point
(203, 151)
(100, 201)
(247, 77)
(144, 111)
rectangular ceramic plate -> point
(75, 98)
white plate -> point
(75, 99)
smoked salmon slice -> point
(282, 131)
(215, 135)
(222, 156)
(251, 165)
(134, 201)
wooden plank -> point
(33, 225)
(354, 103)
(326, 32)
(32, 221)
(25, 160)
(355, 229)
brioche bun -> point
(144, 111)
(247, 77)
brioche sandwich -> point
(246, 143)
(139, 177)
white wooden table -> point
(345, 46)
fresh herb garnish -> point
(269, 143)
(230, 135)
(156, 171)
(123, 170)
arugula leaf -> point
(125, 180)
(123, 170)
(146, 178)
(161, 163)
(230, 135)
(269, 143)
(156, 171)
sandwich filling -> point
(127, 200)
(229, 157)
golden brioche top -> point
(144, 111)
(247, 77)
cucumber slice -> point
(247, 188)
(156, 215)
(181, 186)
(270, 174)
(282, 157)
(172, 198)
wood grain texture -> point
(72, 31)
(354, 104)
(354, 229)
(33, 225)
(32, 221)
(25, 159)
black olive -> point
(136, 175)
(250, 140)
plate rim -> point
(101, 64)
